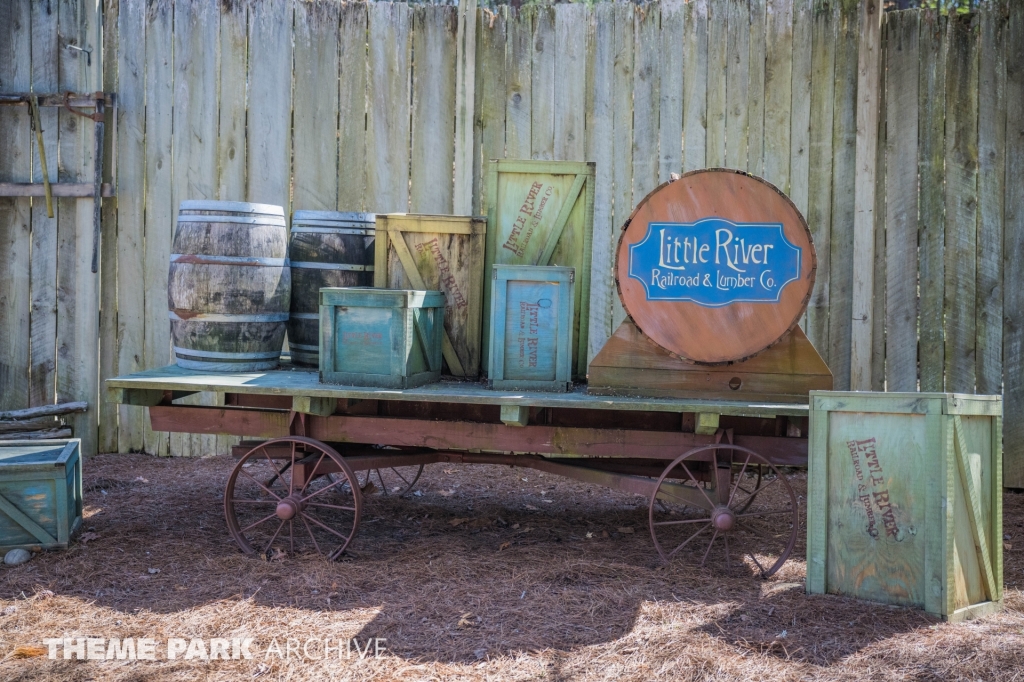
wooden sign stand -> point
(632, 364)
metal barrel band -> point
(304, 347)
(229, 317)
(204, 259)
(269, 221)
(221, 355)
(306, 316)
(318, 229)
(232, 207)
(308, 265)
(333, 216)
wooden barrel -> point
(328, 249)
(716, 266)
(229, 286)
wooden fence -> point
(377, 107)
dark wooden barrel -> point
(229, 286)
(328, 249)
(716, 266)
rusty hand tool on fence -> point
(37, 125)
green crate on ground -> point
(905, 500)
(40, 493)
(531, 328)
(385, 338)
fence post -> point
(868, 80)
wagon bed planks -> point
(293, 382)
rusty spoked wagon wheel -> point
(726, 504)
(298, 502)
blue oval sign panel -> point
(714, 262)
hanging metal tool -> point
(37, 125)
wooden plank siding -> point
(353, 106)
(900, 254)
(1013, 256)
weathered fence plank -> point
(16, 140)
(231, 131)
(737, 77)
(622, 116)
(268, 138)
(108, 412)
(160, 211)
(931, 226)
(519, 81)
(718, 62)
(670, 92)
(877, 366)
(570, 104)
(901, 191)
(756, 87)
(600, 133)
(778, 89)
(193, 153)
(819, 204)
(542, 88)
(352, 181)
(961, 203)
(1013, 257)
(131, 212)
(695, 84)
(43, 277)
(433, 109)
(387, 131)
(77, 286)
(844, 164)
(315, 108)
(992, 115)
(800, 111)
(646, 86)
(490, 97)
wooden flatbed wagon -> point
(709, 469)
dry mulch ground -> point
(565, 595)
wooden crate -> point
(444, 253)
(40, 493)
(531, 328)
(385, 338)
(905, 500)
(542, 213)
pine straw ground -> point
(554, 604)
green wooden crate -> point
(905, 500)
(40, 493)
(531, 328)
(385, 338)
(542, 213)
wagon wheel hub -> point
(722, 518)
(289, 507)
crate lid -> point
(24, 455)
(370, 297)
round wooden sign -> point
(715, 266)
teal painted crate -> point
(904, 500)
(384, 338)
(40, 493)
(530, 346)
